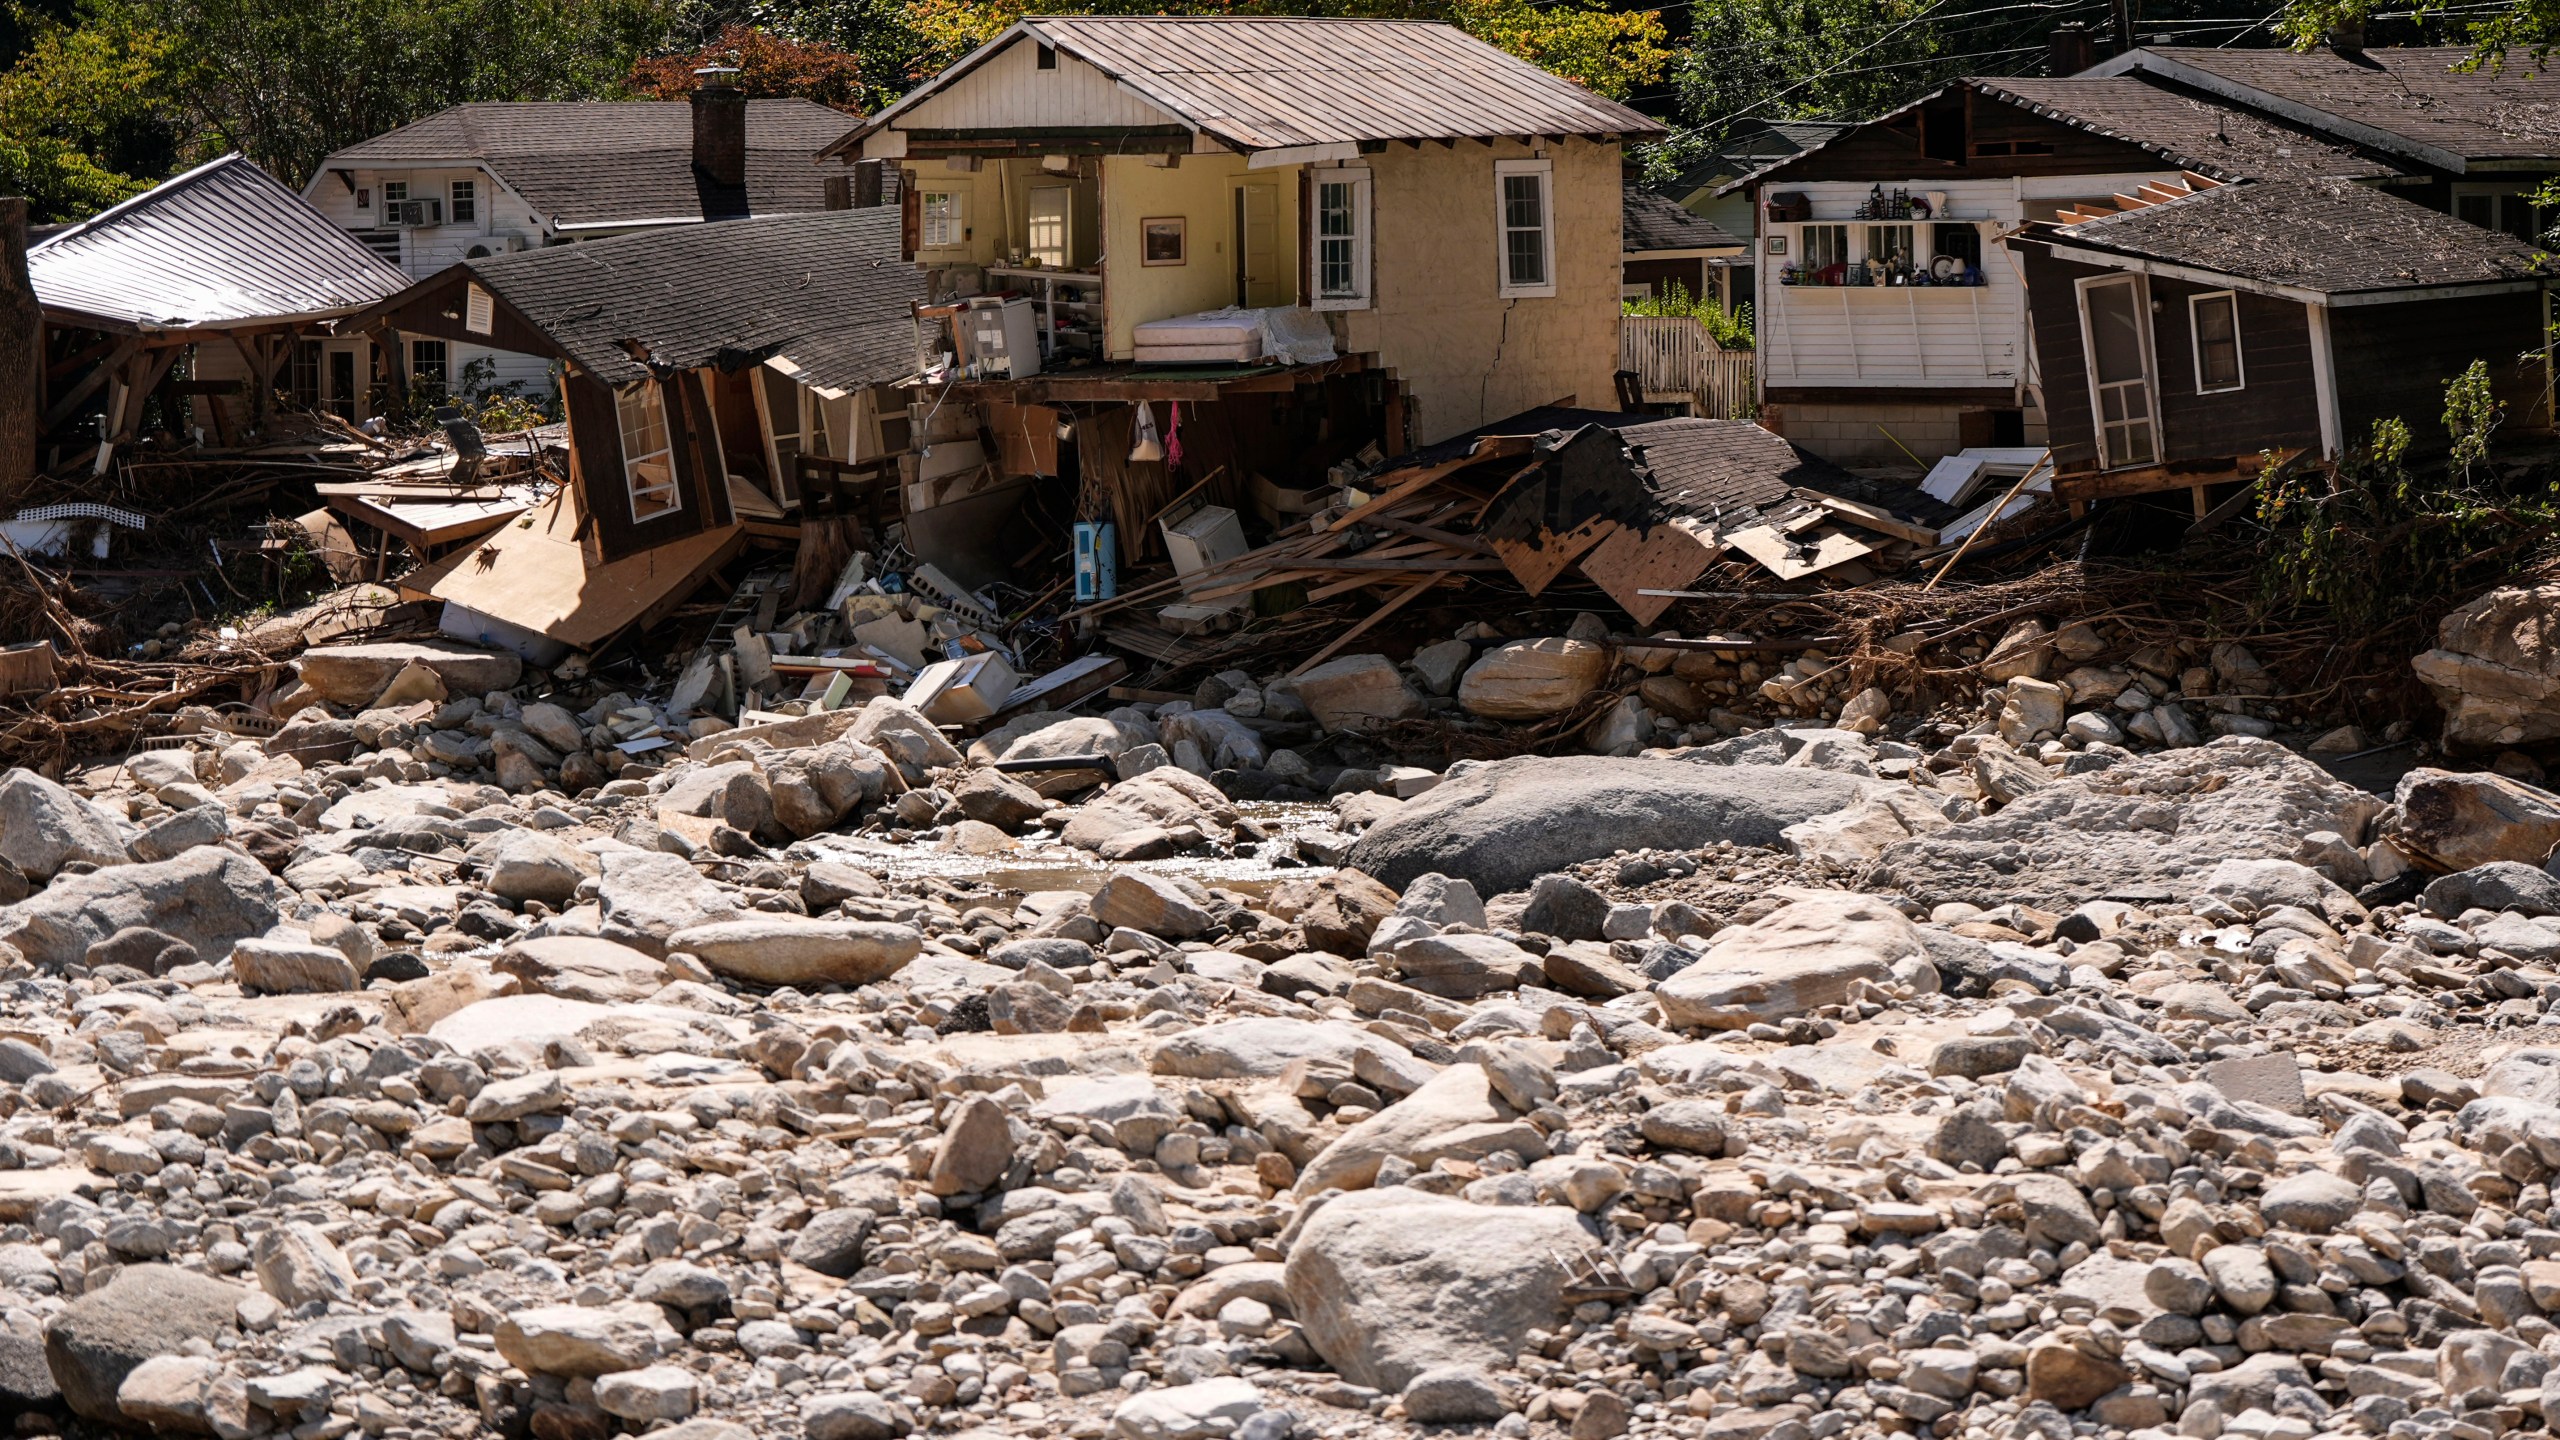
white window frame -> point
(2195, 342)
(444, 361)
(956, 222)
(1545, 172)
(1363, 292)
(647, 396)
(462, 202)
(2150, 369)
(394, 192)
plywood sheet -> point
(1631, 561)
(533, 574)
(1793, 558)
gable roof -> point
(617, 162)
(2410, 102)
(1655, 223)
(1277, 82)
(826, 291)
(223, 244)
(2189, 132)
(2322, 240)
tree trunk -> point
(21, 356)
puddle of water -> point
(1044, 863)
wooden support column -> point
(106, 370)
(394, 364)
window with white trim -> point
(465, 206)
(2214, 322)
(1823, 247)
(648, 456)
(1339, 266)
(942, 218)
(395, 192)
(427, 362)
(1523, 198)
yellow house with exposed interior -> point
(1451, 213)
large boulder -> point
(2496, 669)
(583, 967)
(1791, 963)
(1502, 825)
(789, 950)
(2154, 827)
(1458, 1115)
(583, 1340)
(1390, 1283)
(1356, 692)
(355, 674)
(207, 898)
(1532, 679)
(146, 1310)
(1164, 798)
(44, 826)
(531, 865)
(2447, 821)
(899, 730)
(1264, 1047)
(648, 895)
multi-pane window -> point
(1960, 241)
(465, 208)
(304, 383)
(427, 361)
(395, 192)
(648, 458)
(1889, 246)
(1528, 226)
(2216, 320)
(941, 218)
(1342, 239)
(1824, 247)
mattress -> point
(1219, 337)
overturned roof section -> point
(1280, 82)
(616, 162)
(2320, 241)
(1655, 224)
(826, 292)
(221, 246)
(2412, 102)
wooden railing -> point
(1675, 360)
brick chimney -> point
(2069, 50)
(720, 126)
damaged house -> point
(1309, 234)
(208, 292)
(483, 180)
(722, 385)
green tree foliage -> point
(79, 123)
(2378, 538)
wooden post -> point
(395, 366)
(21, 355)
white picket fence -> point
(1673, 359)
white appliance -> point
(1002, 337)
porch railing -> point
(1674, 360)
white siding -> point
(426, 249)
(1932, 337)
(1011, 92)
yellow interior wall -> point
(979, 213)
(1466, 355)
(1200, 190)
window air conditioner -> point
(417, 212)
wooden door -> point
(1257, 245)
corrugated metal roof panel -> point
(1267, 83)
(223, 244)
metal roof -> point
(609, 162)
(1277, 82)
(220, 246)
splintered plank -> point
(1877, 518)
(1630, 563)
(1795, 558)
(1536, 562)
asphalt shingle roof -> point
(600, 162)
(2327, 235)
(828, 291)
(1654, 222)
(2508, 112)
(221, 245)
(2213, 139)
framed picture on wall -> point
(1161, 240)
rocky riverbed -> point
(818, 1080)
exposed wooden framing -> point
(88, 386)
(1492, 447)
(2152, 479)
(1877, 519)
(94, 350)
(1402, 598)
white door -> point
(1048, 225)
(1257, 245)
(2115, 331)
